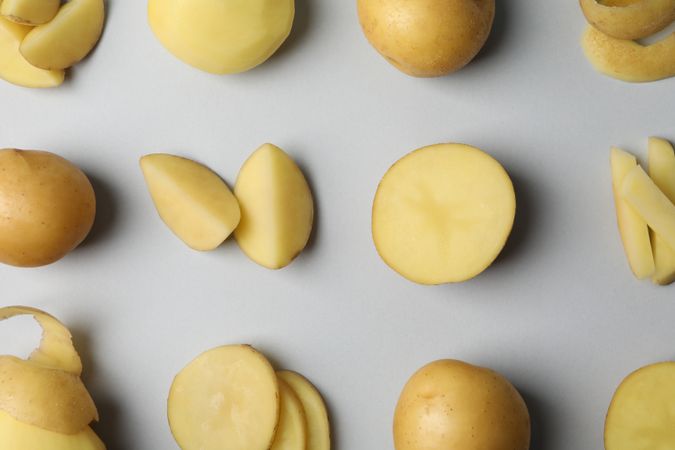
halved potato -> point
(29, 12)
(629, 20)
(318, 426)
(16, 435)
(226, 398)
(640, 416)
(292, 430)
(662, 172)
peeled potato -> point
(292, 430)
(633, 20)
(640, 416)
(318, 426)
(191, 199)
(662, 171)
(47, 205)
(16, 435)
(452, 405)
(443, 213)
(226, 398)
(29, 12)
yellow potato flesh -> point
(627, 60)
(318, 426)
(66, 39)
(640, 192)
(277, 209)
(451, 405)
(227, 397)
(629, 20)
(221, 36)
(29, 12)
(632, 228)
(642, 411)
(51, 399)
(443, 213)
(662, 172)
(191, 200)
(15, 435)
(47, 207)
(13, 66)
(292, 431)
(427, 38)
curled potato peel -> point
(629, 19)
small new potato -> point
(427, 38)
(452, 405)
(47, 207)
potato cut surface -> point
(277, 208)
(632, 228)
(443, 213)
(225, 399)
(16, 435)
(191, 199)
(292, 429)
(318, 426)
(642, 411)
(29, 12)
(629, 19)
(13, 66)
(662, 172)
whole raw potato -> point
(47, 207)
(452, 405)
(427, 38)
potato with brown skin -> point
(427, 38)
(47, 207)
(452, 405)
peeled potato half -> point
(631, 20)
(16, 435)
(443, 213)
(292, 431)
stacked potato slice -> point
(39, 39)
(231, 398)
(43, 403)
(645, 210)
(609, 41)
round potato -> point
(47, 207)
(427, 38)
(452, 405)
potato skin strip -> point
(629, 19)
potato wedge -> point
(29, 12)
(662, 172)
(631, 20)
(227, 397)
(318, 426)
(292, 430)
(16, 435)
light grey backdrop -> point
(559, 313)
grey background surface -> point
(559, 313)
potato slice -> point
(14, 67)
(15, 435)
(662, 172)
(292, 430)
(318, 426)
(277, 209)
(634, 20)
(29, 12)
(640, 416)
(627, 60)
(51, 399)
(443, 213)
(66, 39)
(227, 397)
(650, 203)
(191, 200)
(632, 228)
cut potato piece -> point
(634, 20)
(221, 36)
(14, 67)
(15, 435)
(318, 426)
(443, 213)
(277, 209)
(640, 416)
(227, 397)
(632, 228)
(51, 399)
(627, 60)
(662, 172)
(191, 200)
(66, 39)
(292, 431)
(650, 203)
(29, 12)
